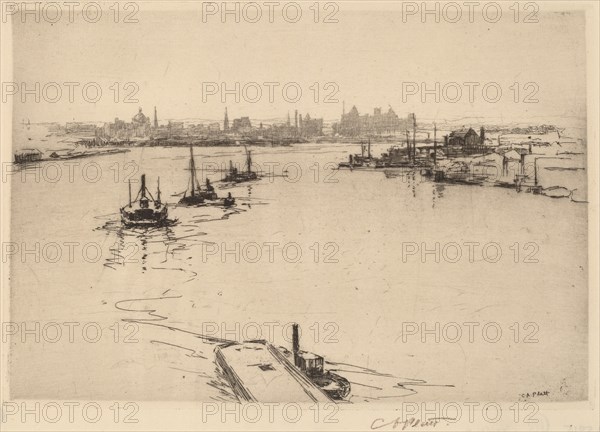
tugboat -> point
(236, 176)
(209, 193)
(140, 212)
(199, 196)
(311, 364)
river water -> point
(342, 253)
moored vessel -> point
(199, 196)
(238, 176)
(144, 210)
(194, 198)
(28, 155)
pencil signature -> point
(410, 422)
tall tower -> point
(226, 122)
(155, 119)
(296, 119)
(288, 119)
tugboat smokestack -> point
(295, 338)
(296, 346)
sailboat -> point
(236, 176)
(195, 197)
(144, 210)
(198, 195)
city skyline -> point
(366, 69)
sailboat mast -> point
(414, 148)
(434, 145)
(158, 190)
(129, 192)
(369, 149)
(192, 170)
(249, 161)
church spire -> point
(226, 121)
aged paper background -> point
(380, 266)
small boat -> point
(236, 176)
(144, 210)
(557, 192)
(211, 198)
(312, 365)
(360, 160)
(229, 200)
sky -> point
(180, 60)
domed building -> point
(141, 124)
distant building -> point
(465, 139)
(197, 130)
(226, 122)
(309, 127)
(141, 124)
(80, 128)
(464, 142)
(118, 129)
(242, 125)
(380, 123)
(140, 127)
(351, 124)
(175, 129)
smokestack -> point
(295, 338)
(143, 189)
(296, 345)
